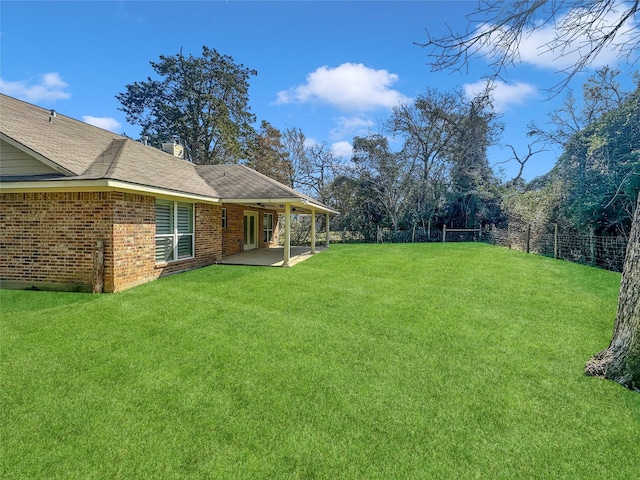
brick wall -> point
(47, 240)
(133, 246)
(233, 235)
(208, 234)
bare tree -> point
(496, 29)
(427, 128)
(293, 145)
(600, 94)
(316, 170)
(522, 161)
(387, 173)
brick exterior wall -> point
(133, 245)
(208, 233)
(47, 240)
(233, 234)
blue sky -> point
(332, 69)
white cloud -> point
(504, 95)
(543, 47)
(49, 87)
(107, 123)
(349, 87)
(351, 126)
(342, 149)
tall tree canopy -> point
(388, 173)
(471, 195)
(427, 127)
(202, 102)
(267, 155)
(600, 171)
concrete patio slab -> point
(270, 257)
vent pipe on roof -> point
(52, 115)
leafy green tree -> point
(266, 154)
(356, 200)
(472, 198)
(600, 171)
(202, 102)
(534, 207)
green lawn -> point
(414, 361)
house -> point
(84, 209)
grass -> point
(366, 361)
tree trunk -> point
(620, 362)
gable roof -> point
(82, 153)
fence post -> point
(528, 237)
(444, 232)
(509, 235)
(555, 241)
(592, 246)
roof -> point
(85, 154)
(241, 184)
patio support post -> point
(328, 230)
(287, 235)
(313, 230)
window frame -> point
(176, 235)
(267, 228)
(224, 218)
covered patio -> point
(271, 257)
(240, 185)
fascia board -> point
(100, 185)
(297, 202)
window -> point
(224, 218)
(174, 231)
(268, 228)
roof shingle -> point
(85, 152)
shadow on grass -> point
(16, 301)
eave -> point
(100, 185)
(301, 205)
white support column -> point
(313, 230)
(287, 235)
(328, 230)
